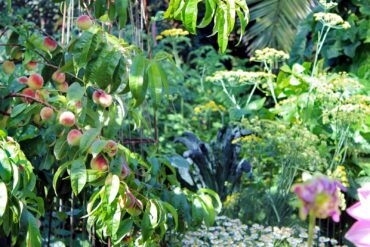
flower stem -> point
(311, 228)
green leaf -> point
(222, 27)
(209, 13)
(18, 109)
(3, 198)
(191, 14)
(155, 83)
(208, 209)
(78, 175)
(60, 148)
(179, 162)
(138, 86)
(124, 228)
(100, 7)
(243, 24)
(197, 210)
(75, 92)
(216, 197)
(58, 173)
(114, 188)
(33, 232)
(230, 15)
(173, 212)
(88, 138)
(121, 9)
(116, 221)
(97, 147)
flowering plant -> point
(359, 233)
(319, 198)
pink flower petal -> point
(359, 234)
(364, 193)
(359, 211)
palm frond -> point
(274, 23)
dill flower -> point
(269, 55)
(239, 76)
(327, 5)
(331, 20)
(174, 32)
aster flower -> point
(359, 233)
(319, 196)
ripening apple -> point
(28, 92)
(58, 77)
(42, 95)
(74, 137)
(16, 53)
(32, 65)
(37, 119)
(50, 44)
(84, 22)
(23, 80)
(101, 98)
(125, 170)
(62, 87)
(99, 163)
(67, 119)
(111, 148)
(35, 81)
(8, 67)
(46, 113)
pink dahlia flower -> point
(319, 196)
(359, 233)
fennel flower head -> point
(319, 196)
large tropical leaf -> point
(274, 23)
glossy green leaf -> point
(33, 233)
(191, 14)
(222, 27)
(173, 212)
(75, 92)
(114, 188)
(61, 169)
(155, 83)
(138, 86)
(88, 138)
(121, 9)
(209, 13)
(3, 198)
(78, 175)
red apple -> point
(28, 92)
(50, 44)
(84, 22)
(31, 65)
(46, 113)
(99, 163)
(23, 80)
(73, 137)
(58, 77)
(125, 170)
(62, 87)
(35, 81)
(8, 67)
(101, 98)
(67, 119)
(111, 148)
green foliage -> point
(20, 205)
(216, 166)
(223, 14)
(274, 23)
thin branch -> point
(13, 95)
(4, 113)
